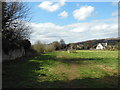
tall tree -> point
(56, 45)
(63, 45)
(14, 29)
(62, 41)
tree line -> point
(15, 32)
(54, 46)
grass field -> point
(60, 69)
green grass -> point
(60, 69)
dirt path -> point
(73, 74)
(73, 71)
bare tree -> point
(13, 14)
(14, 28)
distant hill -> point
(108, 40)
(93, 43)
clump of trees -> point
(58, 45)
(113, 47)
(15, 32)
(63, 45)
(54, 46)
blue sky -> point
(103, 10)
(72, 21)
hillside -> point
(93, 43)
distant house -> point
(101, 46)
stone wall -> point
(13, 54)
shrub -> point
(111, 48)
(49, 48)
(39, 47)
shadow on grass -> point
(22, 73)
(77, 60)
(67, 60)
(105, 82)
(45, 57)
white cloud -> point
(79, 29)
(83, 12)
(63, 14)
(50, 6)
(49, 32)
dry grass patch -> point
(107, 68)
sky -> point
(72, 21)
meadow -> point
(60, 69)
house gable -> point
(100, 46)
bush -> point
(49, 48)
(111, 48)
(39, 47)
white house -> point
(101, 46)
